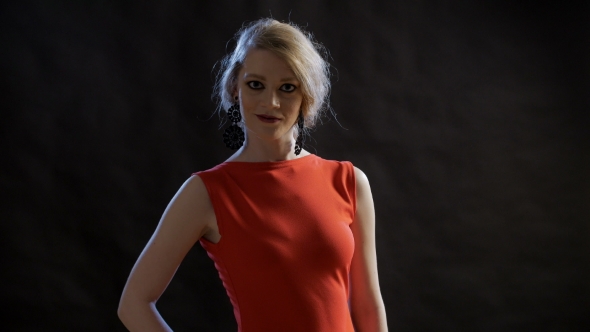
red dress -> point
(286, 244)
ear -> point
(234, 93)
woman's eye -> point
(288, 87)
(255, 85)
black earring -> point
(300, 135)
(233, 136)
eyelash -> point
(292, 86)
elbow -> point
(370, 318)
(126, 310)
(122, 310)
(136, 314)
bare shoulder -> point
(194, 187)
(195, 191)
(188, 216)
(192, 203)
(365, 212)
(362, 181)
(192, 196)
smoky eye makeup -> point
(255, 85)
(288, 87)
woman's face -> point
(270, 96)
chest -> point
(290, 226)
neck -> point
(256, 149)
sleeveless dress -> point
(286, 244)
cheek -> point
(294, 101)
(248, 103)
(296, 108)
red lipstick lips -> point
(267, 118)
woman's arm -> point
(367, 309)
(187, 218)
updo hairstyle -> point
(292, 44)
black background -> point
(470, 120)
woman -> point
(291, 234)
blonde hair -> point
(298, 48)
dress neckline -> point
(269, 164)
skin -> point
(265, 86)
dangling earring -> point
(233, 136)
(300, 135)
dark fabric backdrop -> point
(470, 120)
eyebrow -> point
(260, 77)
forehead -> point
(265, 63)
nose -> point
(272, 99)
